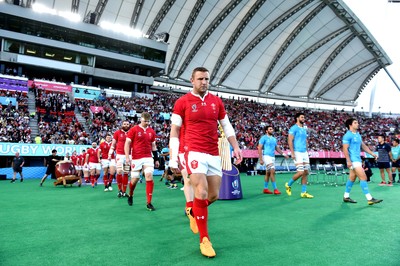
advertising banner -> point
(50, 86)
(7, 100)
(25, 149)
(96, 109)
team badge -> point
(194, 164)
(213, 106)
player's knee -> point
(149, 170)
(202, 193)
(135, 174)
(300, 168)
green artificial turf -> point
(84, 226)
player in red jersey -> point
(118, 144)
(200, 111)
(141, 144)
(84, 167)
(75, 160)
(107, 163)
(93, 160)
(187, 186)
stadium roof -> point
(303, 50)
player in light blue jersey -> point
(266, 153)
(395, 159)
(352, 144)
(297, 141)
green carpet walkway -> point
(84, 226)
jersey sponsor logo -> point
(194, 164)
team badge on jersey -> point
(194, 164)
(213, 107)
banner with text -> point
(25, 149)
(50, 86)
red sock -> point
(119, 182)
(92, 178)
(124, 182)
(131, 188)
(109, 179)
(189, 204)
(149, 190)
(201, 214)
(105, 181)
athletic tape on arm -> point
(174, 149)
(227, 127)
(176, 120)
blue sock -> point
(349, 185)
(364, 187)
(265, 184)
(291, 181)
(274, 185)
(303, 188)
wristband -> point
(155, 155)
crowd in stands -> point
(99, 123)
(326, 128)
(21, 97)
(51, 101)
(15, 122)
(57, 121)
(156, 105)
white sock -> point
(368, 196)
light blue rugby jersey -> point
(354, 140)
(396, 152)
(269, 145)
(300, 138)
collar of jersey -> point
(196, 95)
